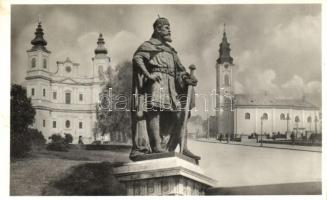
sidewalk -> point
(265, 145)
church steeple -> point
(224, 50)
(39, 42)
(101, 49)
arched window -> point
(33, 92)
(297, 119)
(33, 62)
(67, 123)
(44, 63)
(309, 120)
(282, 116)
(226, 79)
(44, 92)
(265, 116)
(247, 116)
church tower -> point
(224, 88)
(38, 77)
(101, 63)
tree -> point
(118, 118)
(21, 116)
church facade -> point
(64, 99)
(246, 114)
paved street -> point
(267, 145)
(240, 165)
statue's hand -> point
(190, 80)
(155, 77)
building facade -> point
(246, 114)
(64, 99)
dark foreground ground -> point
(65, 173)
(240, 170)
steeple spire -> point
(224, 50)
(101, 49)
(39, 42)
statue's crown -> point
(160, 21)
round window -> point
(67, 124)
(68, 69)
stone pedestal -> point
(163, 176)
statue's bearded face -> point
(164, 32)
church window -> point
(247, 116)
(33, 62)
(33, 91)
(44, 92)
(54, 95)
(265, 116)
(67, 123)
(44, 63)
(80, 125)
(81, 97)
(54, 124)
(43, 123)
(68, 69)
(282, 116)
(226, 79)
(309, 120)
(226, 66)
(297, 119)
(67, 98)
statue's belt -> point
(162, 70)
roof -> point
(243, 100)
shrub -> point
(37, 139)
(57, 143)
(68, 138)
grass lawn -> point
(34, 174)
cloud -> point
(296, 87)
(122, 46)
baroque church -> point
(246, 114)
(65, 101)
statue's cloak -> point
(149, 50)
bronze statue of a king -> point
(160, 85)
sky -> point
(276, 48)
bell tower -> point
(38, 69)
(101, 60)
(224, 88)
(38, 78)
(101, 63)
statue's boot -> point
(188, 153)
(158, 150)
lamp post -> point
(208, 126)
(316, 120)
(287, 123)
(261, 144)
(310, 122)
(297, 120)
(263, 117)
